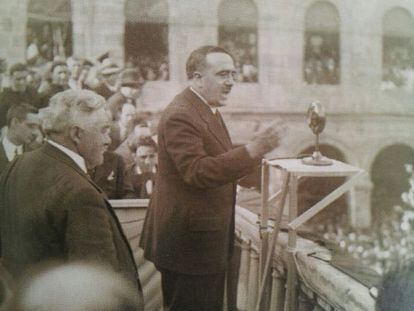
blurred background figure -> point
(7, 289)
(3, 69)
(76, 287)
(108, 79)
(397, 288)
(124, 122)
(17, 92)
(144, 169)
(23, 128)
(131, 82)
(128, 147)
(59, 79)
(112, 177)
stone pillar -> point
(192, 24)
(277, 298)
(108, 28)
(360, 203)
(13, 21)
(243, 283)
(253, 280)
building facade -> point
(355, 57)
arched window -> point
(312, 189)
(237, 33)
(322, 54)
(49, 30)
(146, 37)
(398, 50)
(390, 180)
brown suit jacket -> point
(51, 210)
(189, 227)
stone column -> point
(192, 24)
(360, 203)
(253, 280)
(243, 283)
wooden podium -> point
(293, 170)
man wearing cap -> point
(131, 82)
(109, 77)
(17, 92)
(59, 82)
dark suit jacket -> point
(3, 158)
(51, 210)
(189, 227)
(8, 97)
(113, 178)
(139, 181)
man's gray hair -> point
(67, 108)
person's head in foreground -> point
(211, 72)
(396, 293)
(76, 287)
(79, 121)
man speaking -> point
(189, 228)
(49, 207)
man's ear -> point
(197, 78)
(14, 122)
(76, 134)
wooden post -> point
(253, 279)
(264, 217)
(291, 290)
(243, 283)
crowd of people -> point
(398, 67)
(321, 64)
(130, 160)
(243, 46)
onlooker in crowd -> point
(112, 177)
(396, 290)
(34, 80)
(124, 124)
(17, 92)
(144, 169)
(131, 82)
(79, 71)
(75, 68)
(22, 128)
(76, 287)
(3, 69)
(128, 147)
(189, 228)
(109, 79)
(50, 208)
(59, 82)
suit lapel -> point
(64, 158)
(218, 130)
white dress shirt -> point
(213, 109)
(73, 155)
(11, 149)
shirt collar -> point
(11, 148)
(213, 109)
(73, 155)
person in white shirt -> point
(22, 126)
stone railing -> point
(321, 286)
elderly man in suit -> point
(189, 228)
(22, 125)
(50, 209)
